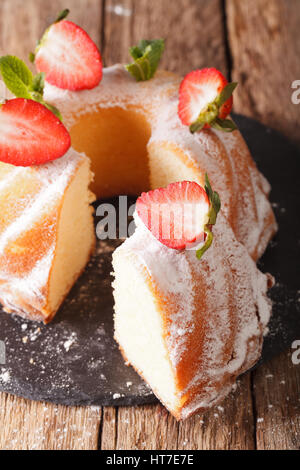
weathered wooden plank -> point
(27, 425)
(118, 17)
(229, 426)
(108, 431)
(277, 404)
(193, 31)
(146, 427)
(22, 26)
(265, 46)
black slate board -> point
(75, 361)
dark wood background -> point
(257, 43)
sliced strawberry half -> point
(68, 57)
(205, 100)
(30, 134)
(176, 215)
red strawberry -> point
(176, 215)
(68, 57)
(205, 100)
(30, 134)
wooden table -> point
(257, 43)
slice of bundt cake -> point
(46, 233)
(189, 327)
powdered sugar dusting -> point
(107, 93)
(4, 376)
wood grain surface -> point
(170, 20)
(264, 40)
(27, 425)
(257, 43)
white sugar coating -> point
(10, 178)
(4, 376)
(116, 89)
(70, 341)
(55, 177)
(235, 293)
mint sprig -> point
(146, 55)
(215, 206)
(211, 113)
(16, 77)
(22, 83)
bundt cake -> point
(189, 326)
(134, 140)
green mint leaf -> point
(207, 244)
(136, 52)
(63, 14)
(146, 55)
(39, 83)
(21, 82)
(16, 76)
(226, 93)
(226, 125)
